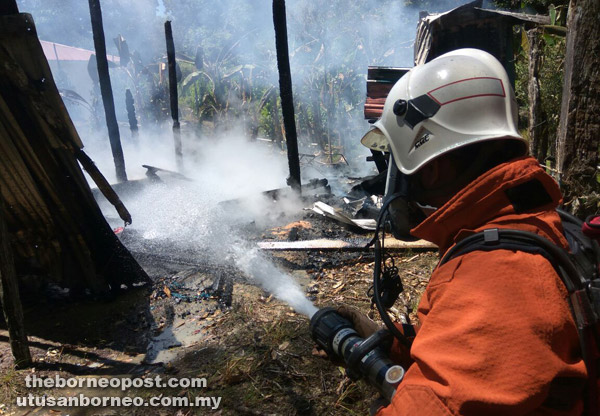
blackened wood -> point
(130, 105)
(60, 226)
(173, 93)
(285, 91)
(579, 128)
(99, 179)
(8, 7)
(9, 296)
(106, 89)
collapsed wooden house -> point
(58, 232)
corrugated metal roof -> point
(58, 52)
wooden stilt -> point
(9, 295)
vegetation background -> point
(228, 73)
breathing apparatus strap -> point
(383, 214)
(377, 270)
(397, 186)
(576, 284)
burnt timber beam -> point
(130, 105)
(285, 91)
(106, 90)
(173, 93)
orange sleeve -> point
(495, 332)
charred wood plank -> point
(99, 179)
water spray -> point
(280, 284)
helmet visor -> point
(375, 140)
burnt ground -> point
(204, 320)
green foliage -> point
(237, 77)
(550, 78)
(539, 6)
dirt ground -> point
(254, 351)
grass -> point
(259, 357)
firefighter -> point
(495, 333)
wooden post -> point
(173, 94)
(538, 140)
(579, 130)
(9, 296)
(106, 90)
(130, 105)
(285, 90)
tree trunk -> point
(579, 130)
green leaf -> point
(190, 80)
(549, 39)
(552, 11)
(524, 41)
(233, 71)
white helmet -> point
(457, 99)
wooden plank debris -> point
(380, 81)
(343, 245)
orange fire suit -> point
(496, 334)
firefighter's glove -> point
(363, 325)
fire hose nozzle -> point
(365, 358)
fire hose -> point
(364, 358)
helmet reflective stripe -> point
(459, 98)
(463, 89)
